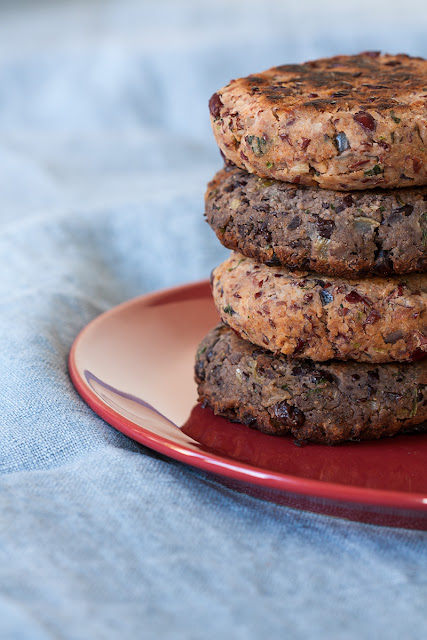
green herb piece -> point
(199, 353)
(424, 237)
(258, 145)
(229, 309)
(414, 404)
(321, 381)
(313, 392)
(235, 267)
(264, 183)
(395, 118)
(269, 165)
(376, 169)
(320, 384)
(332, 207)
(382, 209)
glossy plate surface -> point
(134, 366)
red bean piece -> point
(365, 120)
(353, 297)
(373, 317)
(215, 105)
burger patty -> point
(343, 123)
(326, 403)
(304, 315)
(350, 234)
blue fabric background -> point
(105, 152)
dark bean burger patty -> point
(362, 233)
(328, 402)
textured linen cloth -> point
(105, 152)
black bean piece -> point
(383, 262)
(264, 230)
(325, 296)
(393, 337)
(200, 370)
(273, 261)
(294, 223)
(264, 208)
(248, 420)
(325, 228)
(322, 374)
(341, 142)
(287, 415)
(229, 188)
(405, 210)
(373, 375)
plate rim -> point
(220, 464)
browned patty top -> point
(367, 81)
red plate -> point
(134, 366)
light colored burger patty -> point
(304, 315)
(326, 403)
(343, 123)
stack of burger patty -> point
(324, 299)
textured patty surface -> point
(360, 233)
(328, 403)
(304, 315)
(348, 122)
